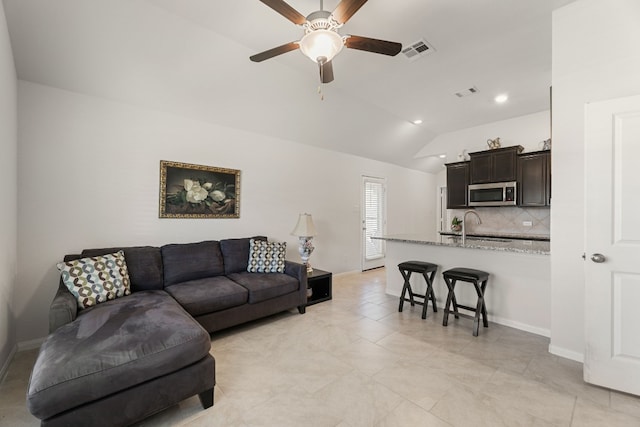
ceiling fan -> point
(321, 40)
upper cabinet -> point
(534, 179)
(497, 165)
(457, 181)
(532, 171)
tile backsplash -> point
(507, 220)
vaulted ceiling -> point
(191, 57)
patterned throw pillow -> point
(96, 279)
(266, 257)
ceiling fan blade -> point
(285, 10)
(373, 45)
(326, 71)
(259, 57)
(345, 10)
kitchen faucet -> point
(464, 220)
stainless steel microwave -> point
(493, 194)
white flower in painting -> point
(195, 193)
(207, 186)
(218, 195)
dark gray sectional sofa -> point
(122, 360)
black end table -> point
(319, 283)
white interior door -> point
(612, 243)
(374, 211)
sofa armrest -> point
(63, 309)
(299, 271)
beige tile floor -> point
(356, 361)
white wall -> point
(8, 178)
(529, 131)
(595, 57)
(89, 172)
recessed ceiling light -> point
(501, 98)
(443, 156)
(417, 122)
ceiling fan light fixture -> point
(321, 44)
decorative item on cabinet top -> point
(493, 143)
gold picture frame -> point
(198, 191)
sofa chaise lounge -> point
(122, 360)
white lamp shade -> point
(304, 227)
(321, 44)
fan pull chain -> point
(320, 92)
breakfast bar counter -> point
(518, 293)
(503, 244)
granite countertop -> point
(519, 246)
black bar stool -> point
(479, 279)
(408, 267)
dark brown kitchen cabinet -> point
(499, 165)
(534, 179)
(457, 181)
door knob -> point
(598, 258)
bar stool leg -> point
(450, 297)
(454, 301)
(481, 309)
(406, 288)
(429, 294)
(485, 323)
(425, 305)
(476, 323)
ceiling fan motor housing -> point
(321, 20)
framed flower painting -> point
(196, 191)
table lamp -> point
(305, 231)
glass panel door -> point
(373, 222)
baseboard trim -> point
(344, 273)
(501, 321)
(5, 366)
(31, 344)
(567, 354)
(521, 326)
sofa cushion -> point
(191, 261)
(112, 347)
(266, 257)
(236, 253)
(143, 262)
(208, 295)
(264, 286)
(94, 280)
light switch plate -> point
(527, 223)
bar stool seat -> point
(479, 280)
(428, 271)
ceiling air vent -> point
(466, 92)
(417, 50)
